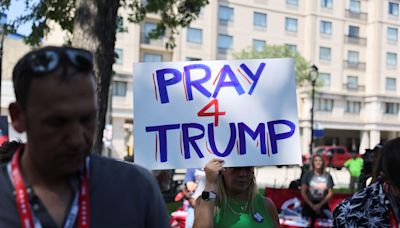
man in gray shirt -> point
(54, 180)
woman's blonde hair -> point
(221, 201)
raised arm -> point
(204, 210)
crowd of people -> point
(55, 180)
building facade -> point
(354, 43)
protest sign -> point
(243, 111)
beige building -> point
(354, 43)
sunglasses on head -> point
(47, 60)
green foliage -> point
(302, 66)
(174, 15)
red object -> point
(279, 196)
(338, 154)
(22, 199)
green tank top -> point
(234, 214)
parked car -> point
(334, 156)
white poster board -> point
(243, 111)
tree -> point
(301, 66)
(92, 24)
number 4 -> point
(203, 112)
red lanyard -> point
(23, 206)
(392, 219)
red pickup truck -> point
(337, 155)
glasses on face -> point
(47, 60)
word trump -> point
(266, 133)
(226, 78)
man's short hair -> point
(44, 61)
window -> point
(148, 27)
(291, 24)
(224, 41)
(194, 35)
(391, 84)
(354, 31)
(325, 53)
(325, 105)
(119, 88)
(393, 8)
(325, 79)
(152, 58)
(326, 4)
(120, 24)
(292, 2)
(355, 6)
(192, 59)
(325, 27)
(258, 45)
(392, 34)
(225, 13)
(391, 108)
(353, 106)
(118, 56)
(260, 19)
(292, 47)
(391, 59)
(352, 82)
(352, 56)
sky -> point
(15, 10)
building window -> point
(152, 58)
(325, 53)
(352, 82)
(292, 2)
(326, 4)
(391, 108)
(391, 59)
(192, 59)
(291, 24)
(354, 31)
(225, 41)
(325, 79)
(394, 8)
(355, 6)
(353, 106)
(194, 35)
(291, 47)
(392, 34)
(119, 88)
(352, 56)
(260, 19)
(148, 27)
(258, 45)
(325, 27)
(324, 105)
(118, 56)
(120, 24)
(225, 13)
(391, 84)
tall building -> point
(354, 43)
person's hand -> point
(316, 208)
(212, 169)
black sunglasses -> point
(47, 60)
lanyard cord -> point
(80, 206)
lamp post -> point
(313, 78)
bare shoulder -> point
(269, 204)
(272, 211)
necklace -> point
(242, 208)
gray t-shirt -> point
(121, 195)
(318, 185)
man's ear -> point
(17, 117)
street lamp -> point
(313, 78)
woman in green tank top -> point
(230, 199)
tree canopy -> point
(302, 66)
(92, 24)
